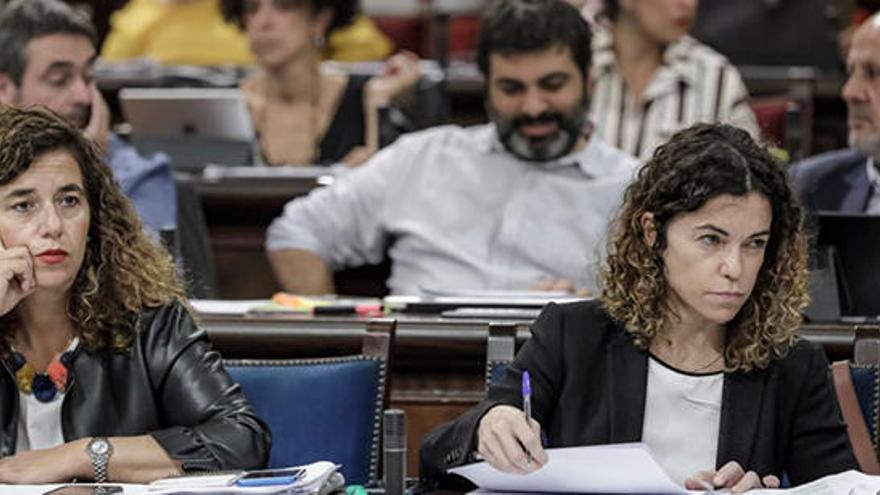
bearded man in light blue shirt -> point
(520, 203)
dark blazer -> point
(170, 385)
(588, 387)
(833, 181)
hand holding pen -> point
(510, 440)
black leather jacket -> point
(170, 385)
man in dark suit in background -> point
(849, 180)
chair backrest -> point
(324, 408)
(500, 350)
(193, 244)
(781, 123)
(866, 348)
(770, 114)
(866, 379)
(858, 393)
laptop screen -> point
(194, 126)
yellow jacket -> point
(359, 41)
(171, 33)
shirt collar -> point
(581, 158)
(873, 175)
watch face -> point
(99, 447)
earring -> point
(318, 40)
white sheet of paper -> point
(128, 489)
(493, 294)
(226, 307)
(845, 483)
(616, 468)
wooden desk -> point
(237, 212)
(438, 364)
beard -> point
(569, 125)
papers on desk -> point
(221, 307)
(127, 489)
(282, 303)
(437, 304)
(493, 294)
(317, 477)
(491, 305)
(215, 171)
(617, 468)
(629, 468)
(846, 483)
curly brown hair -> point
(123, 270)
(693, 167)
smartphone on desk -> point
(85, 489)
(270, 477)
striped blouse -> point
(693, 84)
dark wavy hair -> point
(520, 26)
(343, 11)
(23, 20)
(123, 270)
(696, 165)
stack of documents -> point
(282, 303)
(316, 478)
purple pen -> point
(527, 396)
(527, 406)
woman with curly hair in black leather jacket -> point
(105, 374)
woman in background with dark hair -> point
(304, 114)
(692, 347)
(104, 375)
(650, 79)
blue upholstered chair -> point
(324, 408)
(865, 383)
(857, 386)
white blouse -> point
(682, 419)
(39, 423)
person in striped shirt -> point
(650, 79)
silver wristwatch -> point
(99, 451)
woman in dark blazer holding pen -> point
(692, 347)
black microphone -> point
(394, 450)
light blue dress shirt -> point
(455, 210)
(148, 182)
